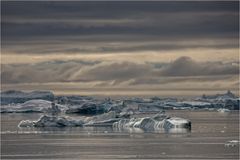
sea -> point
(207, 139)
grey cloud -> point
(185, 66)
(119, 72)
(111, 46)
(182, 69)
(179, 79)
(55, 71)
(26, 22)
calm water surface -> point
(210, 131)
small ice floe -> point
(223, 110)
(232, 143)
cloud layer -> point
(120, 44)
(117, 72)
(115, 27)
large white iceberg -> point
(158, 122)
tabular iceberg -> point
(12, 96)
(36, 105)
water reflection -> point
(89, 130)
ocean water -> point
(206, 140)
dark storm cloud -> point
(23, 22)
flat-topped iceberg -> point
(37, 105)
(13, 97)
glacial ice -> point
(232, 143)
(17, 101)
(51, 121)
(146, 124)
(121, 114)
(223, 110)
(14, 97)
(89, 108)
(155, 123)
(36, 105)
(66, 121)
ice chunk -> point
(65, 121)
(103, 119)
(223, 110)
(52, 121)
(89, 108)
(37, 105)
(155, 123)
(149, 107)
(232, 143)
(12, 96)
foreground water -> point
(210, 131)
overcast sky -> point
(114, 46)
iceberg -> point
(103, 119)
(150, 107)
(226, 95)
(158, 122)
(232, 143)
(106, 119)
(51, 121)
(89, 108)
(37, 105)
(14, 97)
(223, 110)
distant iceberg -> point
(88, 108)
(14, 97)
(37, 105)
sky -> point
(120, 48)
